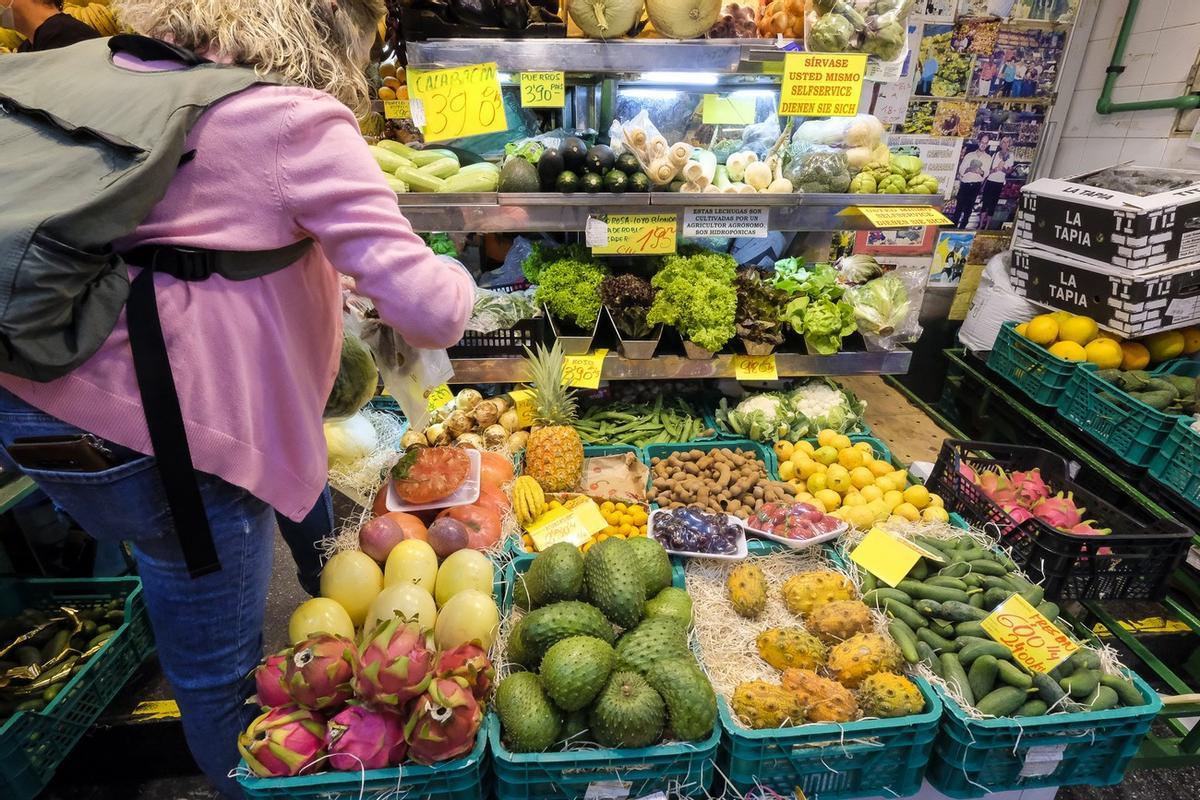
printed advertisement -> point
(938, 154)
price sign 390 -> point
(464, 101)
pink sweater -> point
(254, 360)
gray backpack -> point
(86, 151)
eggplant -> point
(475, 12)
(514, 14)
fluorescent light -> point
(685, 78)
(651, 94)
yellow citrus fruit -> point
(893, 498)
(1061, 316)
(864, 446)
(935, 514)
(810, 468)
(841, 441)
(908, 511)
(1164, 345)
(838, 478)
(387, 93)
(803, 497)
(871, 492)
(900, 478)
(886, 484)
(880, 468)
(816, 503)
(850, 458)
(825, 454)
(1103, 334)
(798, 458)
(861, 477)
(1134, 355)
(1068, 351)
(829, 498)
(1023, 329)
(854, 499)
(805, 447)
(879, 509)
(1104, 353)
(936, 500)
(816, 482)
(825, 437)
(1079, 330)
(1191, 340)
(860, 517)
(1042, 329)
(916, 495)
(787, 470)
(784, 450)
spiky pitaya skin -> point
(359, 737)
(1059, 511)
(1030, 487)
(395, 664)
(268, 680)
(967, 471)
(283, 741)
(469, 662)
(319, 670)
(444, 722)
(998, 487)
(1088, 528)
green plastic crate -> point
(974, 757)
(34, 743)
(1029, 366)
(1177, 464)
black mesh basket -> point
(496, 344)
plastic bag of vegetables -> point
(876, 27)
(887, 308)
(816, 168)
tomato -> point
(379, 506)
(483, 524)
(496, 469)
(428, 474)
(493, 498)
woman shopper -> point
(253, 361)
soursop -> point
(671, 603)
(515, 651)
(627, 713)
(654, 640)
(544, 626)
(615, 585)
(574, 670)
(555, 574)
(689, 697)
(528, 720)
(575, 727)
(654, 562)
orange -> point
(1191, 340)
(1134, 355)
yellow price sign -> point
(397, 109)
(439, 397)
(901, 216)
(543, 90)
(718, 110)
(464, 101)
(575, 525)
(888, 557)
(822, 84)
(1035, 642)
(638, 234)
(755, 368)
(524, 405)
(583, 372)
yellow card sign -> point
(524, 405)
(821, 84)
(397, 109)
(463, 101)
(718, 110)
(755, 368)
(439, 397)
(575, 525)
(1035, 641)
(902, 216)
(583, 372)
(888, 557)
(638, 234)
(543, 90)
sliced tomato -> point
(428, 474)
(495, 470)
(482, 523)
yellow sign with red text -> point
(821, 84)
(755, 368)
(464, 101)
(1036, 642)
(583, 372)
(638, 234)
(397, 109)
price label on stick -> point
(525, 406)
(439, 397)
(1035, 642)
(543, 90)
(638, 234)
(888, 557)
(458, 102)
(755, 368)
(821, 84)
(397, 109)
(583, 372)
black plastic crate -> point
(1135, 561)
(419, 24)
(506, 342)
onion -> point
(495, 435)
(467, 399)
(502, 402)
(458, 423)
(517, 441)
(412, 439)
(510, 420)
(470, 441)
(487, 413)
(437, 435)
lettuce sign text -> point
(821, 84)
(464, 101)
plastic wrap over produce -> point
(875, 27)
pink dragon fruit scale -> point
(1088, 528)
(998, 487)
(365, 738)
(1059, 511)
(444, 722)
(395, 663)
(967, 472)
(319, 671)
(470, 663)
(283, 741)
(1030, 487)
(268, 680)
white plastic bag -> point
(995, 303)
(409, 373)
(660, 160)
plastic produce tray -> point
(1029, 366)
(974, 757)
(34, 743)
(1134, 562)
(504, 342)
(1177, 464)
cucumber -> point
(929, 658)
(1126, 691)
(982, 675)
(935, 546)
(961, 612)
(1101, 699)
(869, 583)
(925, 591)
(953, 674)
(1011, 674)
(956, 570)
(930, 608)
(942, 629)
(971, 628)
(946, 581)
(937, 643)
(1001, 702)
(1081, 683)
(975, 600)
(974, 581)
(902, 612)
(975, 553)
(1048, 689)
(1085, 659)
(1048, 610)
(986, 566)
(973, 650)
(1032, 708)
(992, 582)
(905, 638)
(994, 597)
(920, 570)
(965, 542)
(875, 597)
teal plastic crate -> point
(34, 743)
(459, 779)
(1177, 464)
(1029, 366)
(829, 761)
(974, 757)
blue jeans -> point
(208, 630)
(303, 538)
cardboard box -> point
(1086, 218)
(1131, 304)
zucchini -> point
(442, 168)
(477, 181)
(987, 566)
(423, 157)
(961, 612)
(399, 148)
(387, 160)
(1101, 699)
(982, 675)
(1011, 674)
(954, 676)
(977, 648)
(1081, 683)
(1032, 708)
(875, 597)
(937, 643)
(905, 639)
(419, 181)
(1001, 702)
(482, 166)
(927, 591)
(1126, 691)
(908, 616)
(396, 185)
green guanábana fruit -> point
(653, 561)
(628, 712)
(615, 582)
(574, 670)
(528, 720)
(654, 640)
(555, 574)
(689, 697)
(544, 626)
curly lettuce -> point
(570, 290)
(697, 297)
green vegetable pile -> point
(441, 244)
(696, 295)
(759, 306)
(1171, 394)
(641, 424)
(811, 407)
(568, 283)
(628, 299)
(819, 314)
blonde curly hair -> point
(321, 44)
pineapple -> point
(886, 694)
(790, 647)
(759, 704)
(826, 700)
(861, 656)
(554, 452)
(838, 621)
(747, 590)
(806, 590)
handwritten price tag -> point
(543, 90)
(524, 405)
(439, 397)
(755, 368)
(821, 84)
(1035, 641)
(397, 109)
(458, 102)
(575, 525)
(718, 110)
(888, 557)
(639, 234)
(902, 216)
(583, 372)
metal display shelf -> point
(616, 368)
(489, 212)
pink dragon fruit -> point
(470, 663)
(1019, 514)
(319, 671)
(1030, 487)
(365, 738)
(395, 663)
(1087, 528)
(967, 472)
(998, 487)
(444, 722)
(1059, 511)
(268, 680)
(283, 741)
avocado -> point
(548, 167)
(518, 175)
(628, 163)
(591, 183)
(600, 159)
(567, 182)
(616, 181)
(574, 154)
(638, 182)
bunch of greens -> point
(793, 276)
(570, 290)
(696, 296)
(760, 306)
(880, 305)
(529, 149)
(628, 299)
(817, 312)
(541, 254)
(441, 244)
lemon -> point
(1023, 329)
(798, 458)
(1068, 351)
(810, 468)
(854, 499)
(1104, 353)
(1164, 345)
(841, 441)
(935, 514)
(1061, 316)
(865, 447)
(816, 482)
(817, 504)
(860, 517)
(838, 478)
(879, 509)
(1042, 329)
(803, 497)
(880, 468)
(825, 454)
(826, 436)
(829, 498)
(886, 484)
(850, 458)
(805, 447)
(1134, 355)
(871, 492)
(787, 470)
(936, 500)
(784, 450)
(1079, 330)
(893, 499)
(900, 478)
(908, 511)
(916, 496)
(861, 477)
